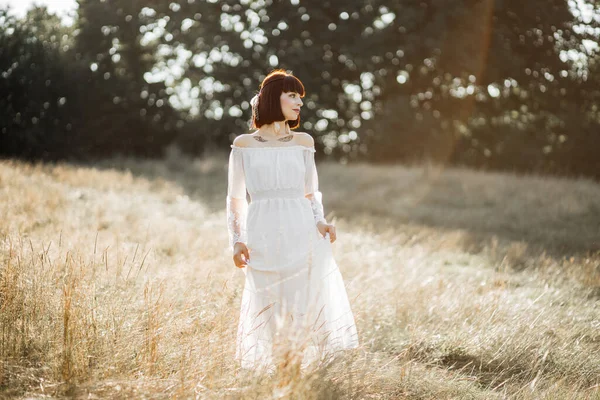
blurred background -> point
(503, 85)
(459, 160)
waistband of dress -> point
(277, 193)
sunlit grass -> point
(115, 280)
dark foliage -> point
(54, 106)
(484, 83)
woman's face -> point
(290, 105)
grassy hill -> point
(115, 280)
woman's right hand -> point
(241, 255)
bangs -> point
(292, 84)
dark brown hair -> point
(269, 104)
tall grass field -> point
(116, 282)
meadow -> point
(115, 282)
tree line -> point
(498, 84)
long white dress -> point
(293, 291)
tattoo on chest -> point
(283, 139)
(286, 139)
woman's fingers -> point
(332, 235)
(239, 261)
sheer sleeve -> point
(237, 206)
(311, 186)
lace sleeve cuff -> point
(236, 220)
(311, 187)
(317, 206)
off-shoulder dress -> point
(293, 287)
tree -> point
(129, 114)
(37, 102)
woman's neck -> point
(269, 130)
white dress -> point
(293, 290)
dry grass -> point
(115, 282)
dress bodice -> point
(275, 171)
(268, 173)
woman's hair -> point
(268, 107)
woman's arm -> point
(237, 205)
(311, 187)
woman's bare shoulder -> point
(304, 139)
(242, 140)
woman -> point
(294, 307)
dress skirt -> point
(304, 309)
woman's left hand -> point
(324, 228)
